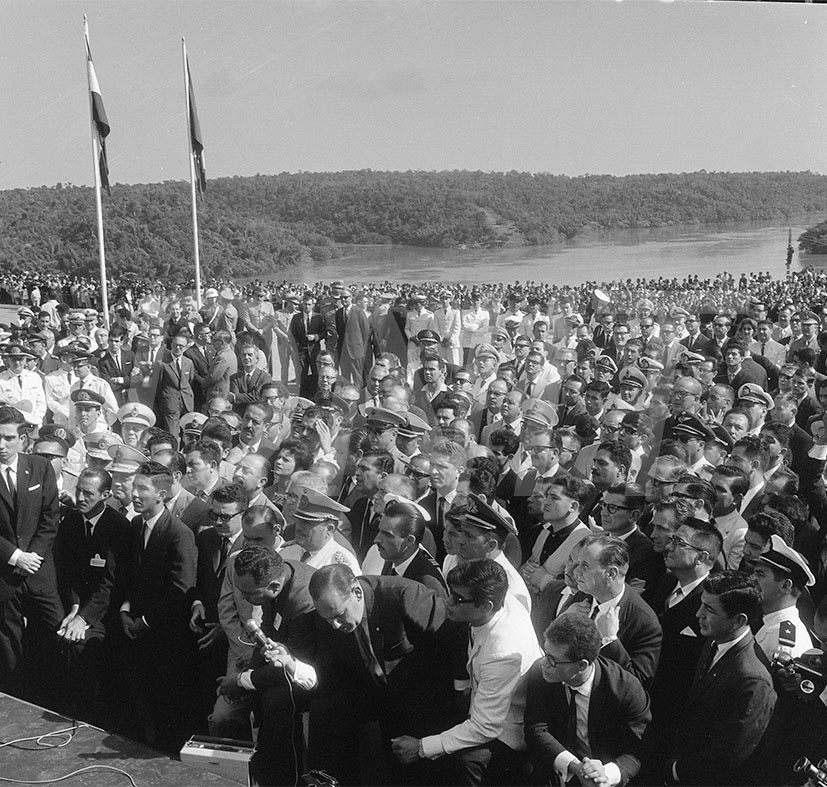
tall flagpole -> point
(92, 80)
(192, 176)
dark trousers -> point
(29, 619)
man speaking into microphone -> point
(277, 684)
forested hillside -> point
(254, 225)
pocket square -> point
(32, 488)
(687, 632)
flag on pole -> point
(98, 116)
(196, 143)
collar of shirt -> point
(551, 471)
(690, 586)
(253, 447)
(12, 465)
(585, 688)
(448, 497)
(152, 521)
(94, 519)
(172, 500)
(775, 618)
(605, 606)
(723, 647)
(403, 566)
(626, 535)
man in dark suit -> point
(570, 678)
(307, 331)
(89, 550)
(738, 368)
(731, 698)
(277, 684)
(252, 438)
(695, 341)
(399, 541)
(353, 337)
(248, 382)
(116, 364)
(383, 644)
(173, 394)
(215, 544)
(622, 506)
(691, 554)
(160, 574)
(182, 503)
(629, 628)
(29, 514)
(201, 353)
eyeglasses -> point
(628, 430)
(552, 662)
(216, 517)
(677, 541)
(681, 394)
(453, 598)
(536, 449)
(416, 474)
(613, 508)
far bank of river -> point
(705, 250)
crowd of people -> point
(428, 534)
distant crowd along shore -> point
(800, 289)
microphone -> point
(254, 630)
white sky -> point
(553, 86)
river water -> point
(705, 250)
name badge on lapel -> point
(97, 562)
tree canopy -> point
(251, 226)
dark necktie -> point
(440, 514)
(388, 570)
(20, 381)
(368, 515)
(575, 743)
(595, 613)
(305, 556)
(223, 552)
(710, 657)
(763, 347)
(529, 386)
(11, 487)
(377, 673)
(88, 527)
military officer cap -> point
(692, 358)
(786, 560)
(125, 458)
(606, 362)
(539, 412)
(692, 426)
(381, 415)
(633, 377)
(137, 413)
(486, 350)
(428, 336)
(17, 350)
(57, 430)
(192, 422)
(414, 426)
(83, 397)
(649, 364)
(755, 394)
(99, 443)
(483, 516)
(315, 507)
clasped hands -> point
(589, 772)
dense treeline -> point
(254, 225)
